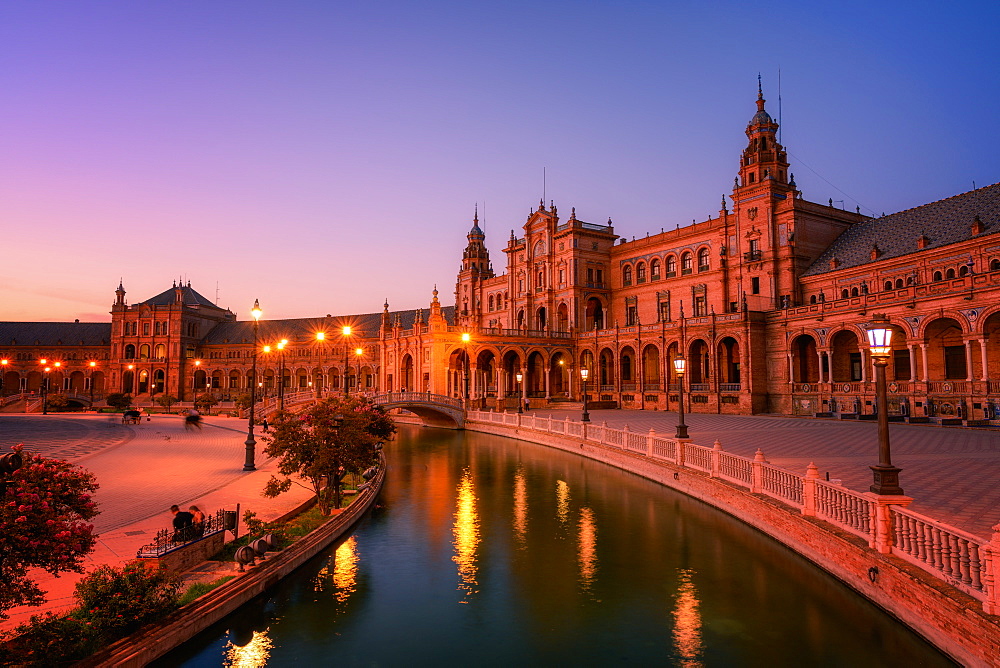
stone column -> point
(791, 370)
(923, 361)
(985, 360)
(913, 361)
(548, 379)
(968, 360)
(819, 365)
(865, 362)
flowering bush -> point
(43, 524)
(117, 601)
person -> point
(527, 404)
(264, 423)
(183, 521)
(193, 420)
(197, 522)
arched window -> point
(888, 285)
(899, 284)
(854, 292)
(994, 265)
(627, 275)
(937, 276)
(703, 260)
(540, 280)
(144, 351)
(964, 270)
(654, 270)
(950, 273)
(491, 302)
(687, 263)
(671, 266)
(160, 351)
(844, 294)
(130, 352)
(812, 300)
(640, 272)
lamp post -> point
(3, 372)
(584, 372)
(320, 336)
(248, 464)
(520, 399)
(346, 332)
(466, 337)
(45, 386)
(281, 373)
(886, 476)
(358, 352)
(92, 365)
(682, 430)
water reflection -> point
(587, 544)
(466, 535)
(251, 655)
(344, 578)
(520, 507)
(687, 622)
(562, 501)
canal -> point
(493, 552)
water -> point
(491, 552)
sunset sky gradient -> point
(324, 156)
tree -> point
(334, 437)
(119, 400)
(206, 401)
(242, 401)
(43, 524)
(166, 400)
(57, 401)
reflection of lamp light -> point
(584, 372)
(679, 368)
(886, 476)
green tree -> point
(43, 524)
(57, 401)
(119, 400)
(334, 437)
(166, 400)
(242, 401)
(206, 401)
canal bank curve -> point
(833, 527)
(154, 641)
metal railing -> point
(168, 540)
(948, 553)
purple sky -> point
(322, 156)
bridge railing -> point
(418, 398)
(962, 560)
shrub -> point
(119, 400)
(115, 602)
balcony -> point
(753, 256)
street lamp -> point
(466, 337)
(346, 332)
(320, 336)
(358, 352)
(45, 386)
(682, 430)
(886, 476)
(520, 398)
(3, 372)
(248, 464)
(281, 372)
(91, 365)
(583, 376)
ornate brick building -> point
(768, 302)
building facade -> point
(768, 303)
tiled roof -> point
(944, 222)
(190, 296)
(55, 333)
(304, 329)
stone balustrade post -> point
(757, 468)
(625, 433)
(715, 455)
(991, 579)
(882, 539)
(680, 452)
(809, 490)
(604, 431)
(649, 442)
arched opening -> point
(562, 318)
(406, 374)
(729, 362)
(535, 375)
(805, 362)
(485, 375)
(560, 369)
(595, 314)
(845, 357)
(698, 360)
(946, 350)
(130, 352)
(606, 371)
(540, 318)
(144, 351)
(626, 368)
(128, 382)
(651, 368)
(158, 381)
(511, 364)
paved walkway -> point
(952, 473)
(142, 470)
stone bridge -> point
(435, 410)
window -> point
(145, 329)
(520, 285)
(626, 367)
(627, 275)
(812, 300)
(901, 364)
(654, 270)
(964, 270)
(844, 294)
(703, 264)
(755, 285)
(671, 266)
(950, 273)
(994, 265)
(854, 292)
(130, 352)
(640, 272)
(562, 277)
(144, 351)
(540, 280)
(491, 303)
(899, 284)
(938, 276)
(631, 315)
(664, 310)
(855, 366)
(160, 351)
(590, 275)
(887, 285)
(687, 263)
(700, 305)
(954, 362)
(600, 278)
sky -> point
(324, 156)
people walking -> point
(197, 522)
(183, 521)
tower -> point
(476, 267)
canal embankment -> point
(850, 535)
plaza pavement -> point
(952, 473)
(143, 469)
